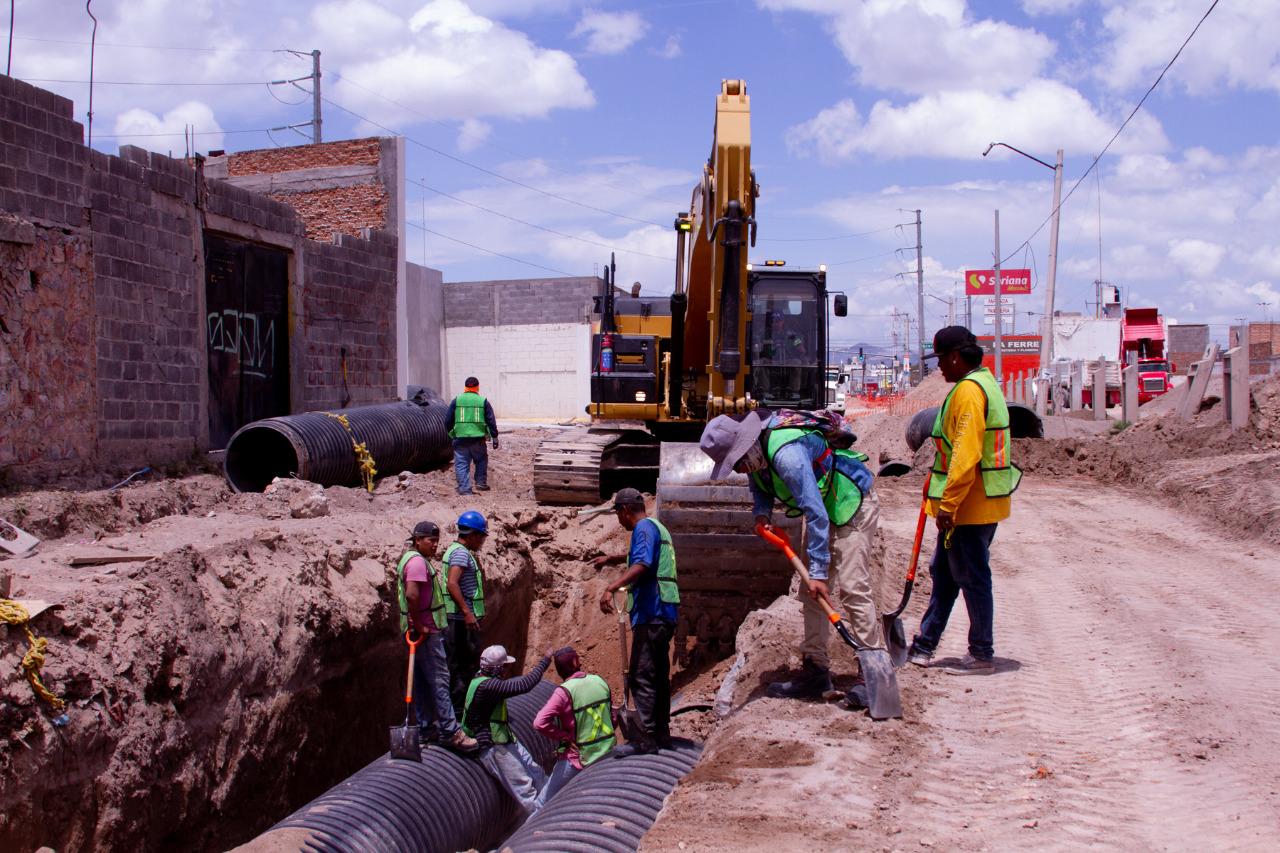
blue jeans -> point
(431, 700)
(465, 450)
(964, 567)
(561, 773)
(513, 766)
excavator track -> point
(584, 465)
(725, 571)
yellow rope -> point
(15, 614)
(363, 456)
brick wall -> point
(48, 410)
(104, 362)
(519, 302)
(348, 304)
(346, 152)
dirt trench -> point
(253, 662)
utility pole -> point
(999, 308)
(920, 290)
(1046, 322)
(315, 98)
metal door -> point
(246, 327)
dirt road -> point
(1134, 706)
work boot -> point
(460, 741)
(857, 696)
(919, 656)
(809, 683)
(969, 665)
(637, 747)
(482, 487)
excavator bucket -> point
(725, 571)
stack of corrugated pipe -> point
(446, 803)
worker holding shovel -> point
(968, 494)
(832, 488)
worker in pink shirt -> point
(579, 715)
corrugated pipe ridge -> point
(1023, 423)
(609, 806)
(400, 436)
(442, 804)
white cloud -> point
(610, 32)
(1237, 47)
(1050, 7)
(165, 134)
(473, 134)
(445, 61)
(1198, 258)
(1041, 116)
(671, 50)
(920, 46)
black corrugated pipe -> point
(400, 436)
(1023, 423)
(441, 804)
(609, 806)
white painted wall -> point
(539, 370)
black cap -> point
(425, 528)
(628, 497)
(951, 338)
(471, 382)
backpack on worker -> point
(834, 428)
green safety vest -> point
(468, 416)
(437, 592)
(592, 718)
(499, 729)
(840, 495)
(477, 600)
(999, 475)
(668, 591)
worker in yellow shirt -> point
(969, 489)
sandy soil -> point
(253, 663)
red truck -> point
(1142, 343)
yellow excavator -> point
(732, 337)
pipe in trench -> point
(447, 803)
(401, 436)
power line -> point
(823, 239)
(539, 227)
(138, 83)
(492, 252)
(488, 172)
(153, 46)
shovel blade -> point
(883, 699)
(896, 637)
(404, 743)
(629, 724)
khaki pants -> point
(849, 579)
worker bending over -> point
(485, 719)
(579, 715)
(465, 605)
(969, 494)
(421, 587)
(832, 488)
(652, 599)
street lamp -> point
(1046, 325)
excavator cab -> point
(787, 340)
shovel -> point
(895, 636)
(883, 699)
(404, 739)
(628, 717)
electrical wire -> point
(92, 82)
(492, 252)
(539, 227)
(1123, 125)
(153, 46)
(487, 171)
(823, 239)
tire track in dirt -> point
(1116, 711)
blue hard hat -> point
(472, 520)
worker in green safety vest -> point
(579, 715)
(485, 719)
(464, 604)
(471, 420)
(421, 588)
(970, 486)
(795, 465)
(653, 599)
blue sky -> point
(554, 132)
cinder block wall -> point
(103, 352)
(527, 341)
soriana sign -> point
(983, 282)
